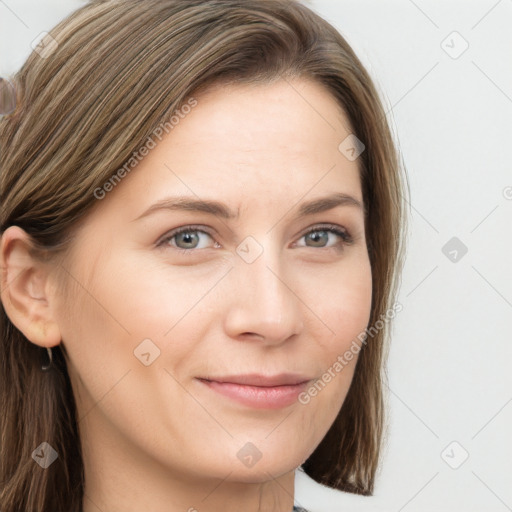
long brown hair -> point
(113, 72)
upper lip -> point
(282, 379)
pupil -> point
(189, 238)
(319, 238)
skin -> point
(154, 437)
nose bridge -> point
(263, 303)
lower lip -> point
(258, 397)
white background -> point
(451, 349)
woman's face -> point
(259, 292)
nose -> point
(263, 304)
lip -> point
(259, 391)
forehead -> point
(297, 107)
(258, 132)
(264, 144)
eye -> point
(329, 236)
(187, 238)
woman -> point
(201, 218)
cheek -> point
(342, 311)
(342, 303)
(119, 305)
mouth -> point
(259, 391)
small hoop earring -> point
(50, 356)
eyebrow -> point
(221, 210)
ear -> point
(25, 289)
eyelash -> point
(330, 228)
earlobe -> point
(25, 291)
